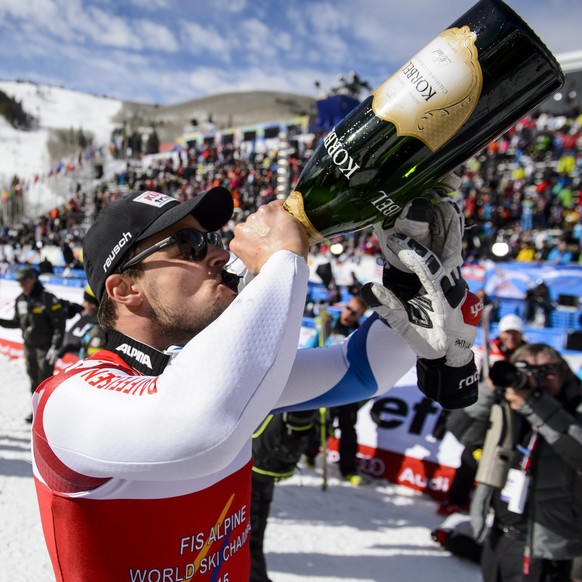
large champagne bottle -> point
(469, 85)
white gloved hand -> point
(51, 355)
(424, 297)
(435, 221)
(439, 322)
(432, 322)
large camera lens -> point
(504, 374)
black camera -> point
(504, 374)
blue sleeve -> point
(358, 383)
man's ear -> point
(121, 289)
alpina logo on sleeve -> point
(154, 199)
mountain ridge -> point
(61, 111)
(226, 109)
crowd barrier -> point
(60, 277)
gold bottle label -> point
(434, 93)
(294, 205)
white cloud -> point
(35, 10)
(234, 6)
(152, 5)
(284, 41)
(206, 80)
(326, 18)
(199, 40)
(105, 29)
(156, 37)
(321, 35)
(124, 47)
(297, 24)
(255, 42)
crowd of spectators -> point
(524, 189)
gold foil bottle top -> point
(434, 93)
(294, 205)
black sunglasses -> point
(193, 244)
(542, 371)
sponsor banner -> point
(11, 349)
(401, 439)
(514, 279)
(420, 475)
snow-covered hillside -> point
(25, 153)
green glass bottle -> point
(464, 89)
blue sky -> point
(169, 51)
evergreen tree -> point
(13, 112)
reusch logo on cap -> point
(116, 250)
(154, 199)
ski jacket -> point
(84, 338)
(496, 352)
(279, 443)
(142, 459)
(552, 519)
(92, 341)
(41, 316)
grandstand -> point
(222, 113)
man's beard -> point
(178, 328)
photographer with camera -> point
(530, 473)
(461, 422)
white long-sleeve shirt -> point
(142, 460)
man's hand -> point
(435, 221)
(439, 322)
(51, 355)
(268, 230)
(516, 398)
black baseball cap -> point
(26, 273)
(123, 223)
